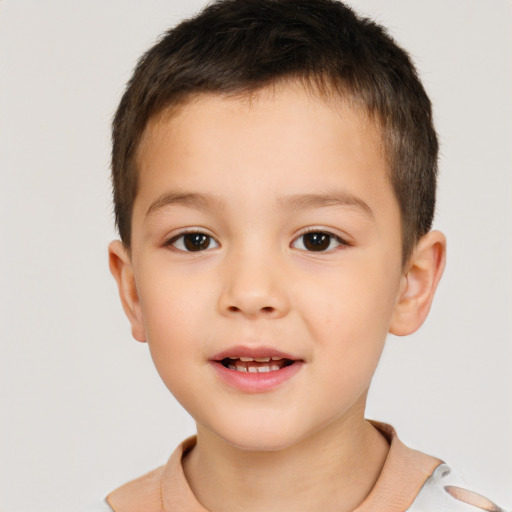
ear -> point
(121, 268)
(419, 283)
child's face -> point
(260, 229)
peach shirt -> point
(410, 481)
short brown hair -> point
(242, 46)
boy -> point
(274, 170)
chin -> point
(258, 438)
(260, 444)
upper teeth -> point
(257, 359)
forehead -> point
(300, 102)
(286, 136)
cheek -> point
(351, 302)
(174, 313)
(348, 317)
(169, 298)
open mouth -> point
(256, 364)
(256, 369)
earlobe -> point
(419, 284)
(121, 268)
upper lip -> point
(253, 353)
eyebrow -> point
(193, 200)
(302, 201)
(291, 202)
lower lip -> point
(256, 382)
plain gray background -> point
(81, 408)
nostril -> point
(267, 309)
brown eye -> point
(196, 241)
(317, 241)
(193, 242)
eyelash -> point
(180, 239)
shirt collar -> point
(403, 475)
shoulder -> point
(415, 482)
(146, 493)
(143, 490)
(445, 490)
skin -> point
(305, 442)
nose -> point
(253, 286)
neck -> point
(332, 470)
